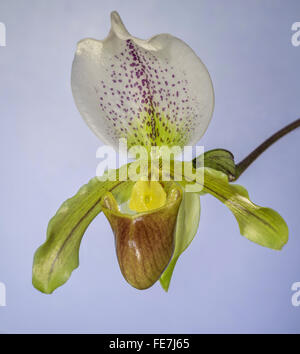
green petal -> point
(55, 260)
(218, 159)
(186, 228)
(260, 225)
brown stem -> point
(244, 164)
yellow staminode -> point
(147, 195)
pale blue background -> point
(223, 283)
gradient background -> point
(223, 282)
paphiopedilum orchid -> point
(153, 93)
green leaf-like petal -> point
(186, 228)
(260, 225)
(218, 159)
(55, 260)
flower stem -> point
(244, 164)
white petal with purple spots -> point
(153, 92)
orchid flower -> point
(154, 92)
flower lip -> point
(144, 241)
(153, 92)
